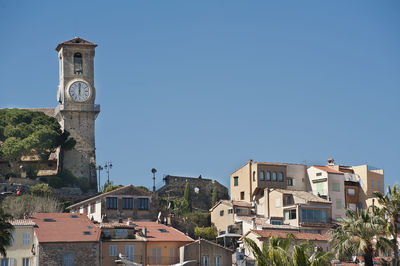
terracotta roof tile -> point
(327, 169)
(65, 227)
(161, 232)
(300, 236)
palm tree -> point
(5, 232)
(357, 234)
(275, 252)
(390, 208)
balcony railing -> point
(152, 260)
(316, 222)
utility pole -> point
(100, 168)
(108, 166)
(154, 171)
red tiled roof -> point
(231, 203)
(22, 222)
(62, 227)
(327, 169)
(301, 236)
(154, 234)
(117, 225)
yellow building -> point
(20, 252)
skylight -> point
(87, 233)
(48, 220)
(74, 216)
(162, 230)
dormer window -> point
(78, 69)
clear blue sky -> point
(201, 87)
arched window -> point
(261, 176)
(274, 176)
(280, 177)
(268, 176)
(78, 69)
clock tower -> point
(77, 111)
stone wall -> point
(85, 253)
(201, 190)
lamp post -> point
(100, 168)
(154, 171)
(108, 166)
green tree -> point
(214, 198)
(201, 219)
(209, 233)
(28, 133)
(41, 190)
(109, 186)
(356, 235)
(187, 196)
(6, 229)
(391, 209)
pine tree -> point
(187, 196)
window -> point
(236, 181)
(278, 202)
(7, 262)
(111, 203)
(261, 176)
(120, 233)
(68, 259)
(338, 204)
(78, 69)
(336, 186)
(360, 206)
(25, 262)
(312, 231)
(268, 176)
(351, 191)
(156, 255)
(221, 213)
(12, 239)
(289, 181)
(352, 206)
(378, 184)
(85, 209)
(173, 255)
(217, 261)
(290, 214)
(274, 176)
(320, 188)
(127, 203)
(241, 211)
(276, 222)
(372, 183)
(106, 233)
(318, 174)
(93, 207)
(113, 250)
(230, 211)
(26, 238)
(204, 261)
(254, 175)
(143, 204)
(280, 177)
(129, 252)
(311, 215)
(242, 195)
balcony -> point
(325, 222)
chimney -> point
(253, 223)
(331, 161)
(144, 231)
(129, 222)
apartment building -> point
(369, 180)
(223, 214)
(20, 251)
(300, 209)
(65, 239)
(122, 203)
(328, 183)
(251, 179)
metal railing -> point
(152, 260)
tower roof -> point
(77, 41)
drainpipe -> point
(268, 208)
(251, 178)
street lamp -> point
(108, 166)
(100, 168)
(154, 171)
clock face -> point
(79, 91)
